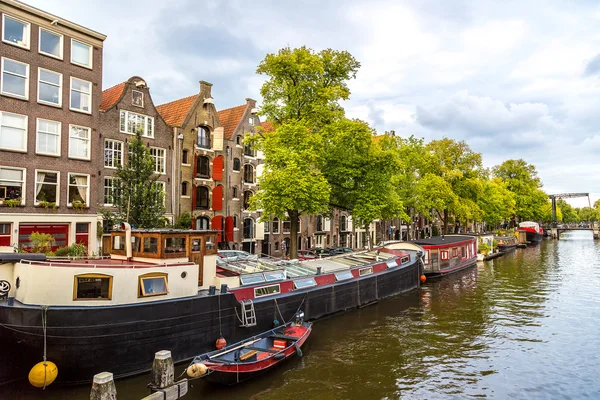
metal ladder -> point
(248, 314)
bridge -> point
(555, 197)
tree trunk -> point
(293, 215)
(368, 233)
(445, 222)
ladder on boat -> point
(248, 314)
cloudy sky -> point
(515, 79)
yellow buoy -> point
(196, 370)
(43, 375)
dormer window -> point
(137, 98)
(238, 140)
(203, 137)
(251, 121)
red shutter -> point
(193, 223)
(229, 229)
(217, 198)
(195, 165)
(218, 168)
(217, 225)
(193, 197)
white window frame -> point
(89, 139)
(35, 182)
(25, 133)
(26, 97)
(37, 137)
(146, 119)
(90, 57)
(89, 94)
(114, 165)
(365, 271)
(23, 182)
(60, 87)
(277, 291)
(87, 202)
(155, 159)
(61, 48)
(27, 32)
(112, 179)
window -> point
(251, 279)
(305, 283)
(209, 245)
(266, 227)
(203, 167)
(110, 190)
(79, 188)
(49, 87)
(236, 164)
(343, 223)
(12, 183)
(184, 157)
(247, 196)
(132, 123)
(275, 225)
(15, 32)
(81, 95)
(48, 137)
(319, 223)
(153, 284)
(276, 245)
(248, 228)
(92, 287)
(287, 226)
(203, 137)
(343, 275)
(444, 255)
(159, 159)
(234, 192)
(248, 151)
(15, 78)
(174, 245)
(5, 232)
(405, 259)
(46, 187)
(251, 121)
(463, 251)
(113, 153)
(184, 188)
(151, 245)
(235, 218)
(274, 276)
(13, 131)
(118, 242)
(51, 44)
(238, 140)
(267, 290)
(81, 53)
(202, 224)
(137, 98)
(202, 198)
(248, 173)
(79, 142)
(426, 257)
(365, 271)
(454, 252)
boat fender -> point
(196, 370)
(43, 374)
(220, 343)
(298, 351)
(422, 278)
(279, 356)
(275, 323)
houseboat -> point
(442, 255)
(506, 243)
(164, 289)
(533, 232)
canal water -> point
(523, 326)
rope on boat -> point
(220, 330)
(277, 305)
(44, 324)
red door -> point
(217, 225)
(60, 233)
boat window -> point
(305, 283)
(196, 244)
(210, 243)
(92, 287)
(365, 271)
(274, 276)
(252, 279)
(118, 243)
(444, 255)
(454, 252)
(405, 259)
(174, 245)
(391, 263)
(153, 284)
(464, 251)
(426, 257)
(150, 245)
(267, 290)
(343, 275)
(136, 242)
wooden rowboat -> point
(246, 359)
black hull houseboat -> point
(160, 293)
(534, 234)
(442, 255)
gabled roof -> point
(111, 95)
(230, 118)
(174, 113)
(267, 126)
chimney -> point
(392, 133)
(205, 89)
(251, 102)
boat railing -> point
(50, 263)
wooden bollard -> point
(163, 372)
(103, 387)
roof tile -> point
(174, 113)
(267, 126)
(230, 119)
(111, 95)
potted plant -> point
(12, 202)
(47, 204)
(78, 205)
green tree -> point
(522, 179)
(588, 214)
(137, 197)
(301, 96)
(569, 214)
(184, 221)
(497, 202)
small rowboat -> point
(244, 360)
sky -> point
(514, 79)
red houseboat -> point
(533, 231)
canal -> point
(521, 326)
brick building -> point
(50, 90)
(125, 108)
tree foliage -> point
(497, 202)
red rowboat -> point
(244, 360)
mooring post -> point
(163, 372)
(103, 387)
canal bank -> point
(520, 326)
